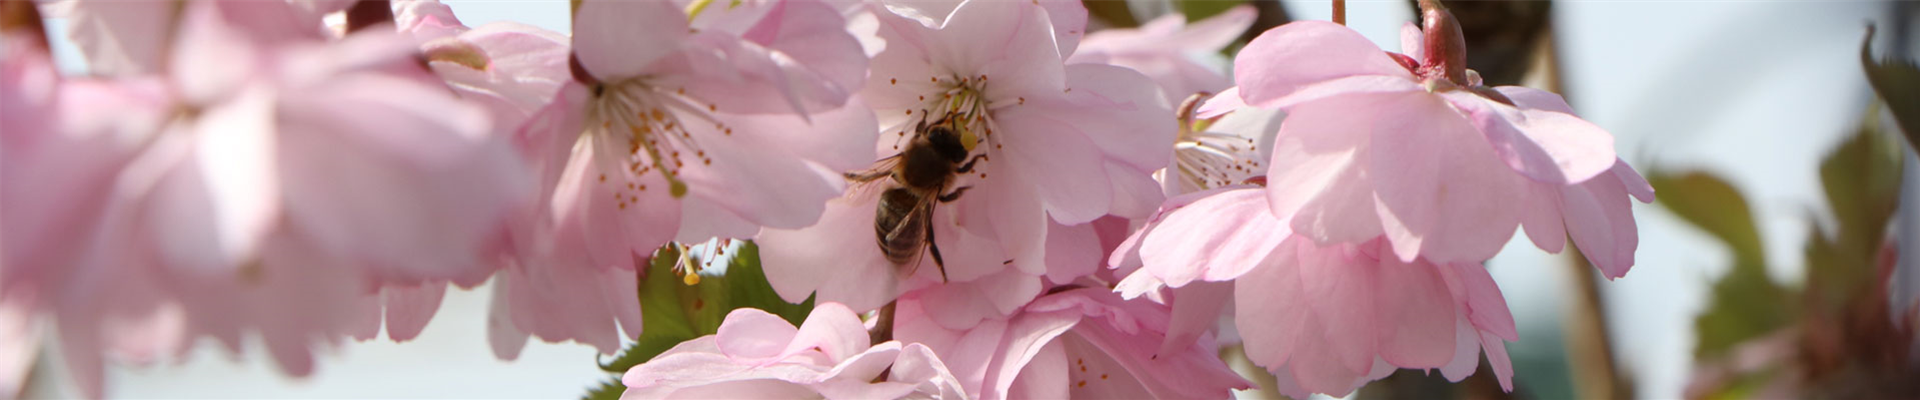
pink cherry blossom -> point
(125, 38)
(1323, 319)
(1055, 144)
(511, 68)
(1078, 342)
(391, 172)
(759, 355)
(62, 141)
(267, 182)
(677, 130)
(1182, 58)
(1231, 149)
(1447, 168)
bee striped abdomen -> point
(898, 227)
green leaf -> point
(609, 390)
(1898, 83)
(1710, 203)
(1862, 183)
(673, 311)
(751, 289)
(1113, 13)
(1744, 304)
(1196, 10)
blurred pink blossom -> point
(264, 181)
(62, 142)
(1182, 58)
(760, 355)
(1076, 342)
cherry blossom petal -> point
(1265, 302)
(1292, 56)
(503, 337)
(1219, 30)
(1012, 212)
(1344, 289)
(836, 257)
(820, 61)
(1072, 252)
(1466, 351)
(1005, 40)
(426, 19)
(752, 334)
(1416, 314)
(1351, 85)
(833, 329)
(409, 309)
(1135, 193)
(211, 59)
(1489, 309)
(620, 39)
(1411, 39)
(1441, 193)
(1530, 98)
(1061, 163)
(430, 149)
(962, 305)
(19, 343)
(120, 38)
(1213, 238)
(227, 192)
(1599, 218)
(1547, 146)
(1322, 165)
(1119, 108)
(1221, 103)
(1497, 357)
(1542, 218)
(770, 173)
(1068, 19)
(1196, 310)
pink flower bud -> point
(1445, 45)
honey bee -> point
(920, 175)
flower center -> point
(646, 130)
(1206, 160)
(958, 101)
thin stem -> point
(24, 16)
(1340, 12)
(883, 324)
(368, 13)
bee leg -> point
(934, 248)
(968, 167)
(950, 197)
(866, 176)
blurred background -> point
(1758, 270)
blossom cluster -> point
(985, 199)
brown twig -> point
(368, 13)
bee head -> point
(947, 142)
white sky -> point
(1756, 91)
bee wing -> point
(867, 181)
(920, 217)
